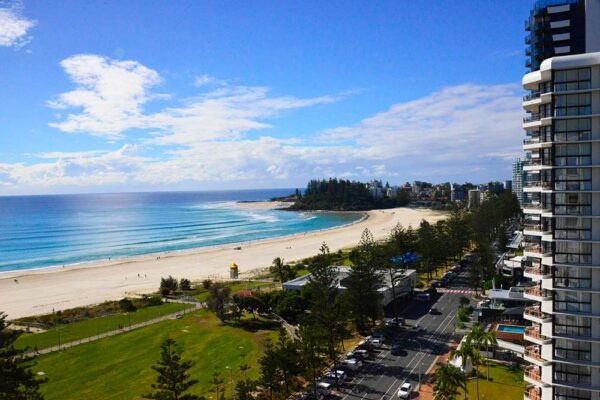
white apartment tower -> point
(562, 200)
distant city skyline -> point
(142, 96)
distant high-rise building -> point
(457, 193)
(474, 199)
(518, 179)
(562, 205)
(508, 184)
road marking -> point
(431, 340)
(422, 354)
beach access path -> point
(41, 291)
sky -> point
(110, 96)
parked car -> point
(359, 354)
(423, 297)
(323, 388)
(405, 391)
(398, 350)
(336, 376)
(434, 311)
(351, 364)
(416, 328)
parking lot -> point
(383, 373)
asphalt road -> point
(383, 373)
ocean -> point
(44, 231)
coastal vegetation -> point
(343, 195)
(17, 381)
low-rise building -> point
(404, 285)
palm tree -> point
(278, 269)
(469, 353)
(217, 381)
(244, 369)
(488, 339)
(480, 338)
(447, 379)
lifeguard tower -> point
(234, 271)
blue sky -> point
(149, 95)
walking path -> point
(68, 345)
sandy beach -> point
(31, 292)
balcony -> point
(532, 334)
(537, 273)
(533, 393)
(532, 355)
(533, 375)
(535, 140)
(533, 117)
(536, 250)
(535, 293)
(533, 313)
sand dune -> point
(24, 293)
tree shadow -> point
(255, 325)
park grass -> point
(119, 367)
(235, 286)
(93, 326)
(505, 383)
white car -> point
(404, 391)
(351, 364)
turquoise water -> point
(511, 328)
(42, 231)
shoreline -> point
(17, 273)
(44, 290)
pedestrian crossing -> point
(461, 291)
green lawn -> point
(93, 326)
(505, 383)
(119, 367)
(236, 286)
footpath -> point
(129, 328)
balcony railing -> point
(531, 96)
(534, 332)
(535, 206)
(538, 184)
(532, 117)
(534, 352)
(535, 271)
(533, 394)
(534, 140)
(534, 311)
(532, 248)
(534, 373)
(534, 291)
(533, 227)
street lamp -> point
(230, 378)
(420, 351)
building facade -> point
(562, 200)
(518, 179)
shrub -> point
(127, 305)
(168, 285)
(207, 283)
(185, 284)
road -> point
(384, 373)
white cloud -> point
(14, 28)
(208, 80)
(110, 94)
(461, 132)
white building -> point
(403, 287)
(562, 200)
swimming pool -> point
(511, 328)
